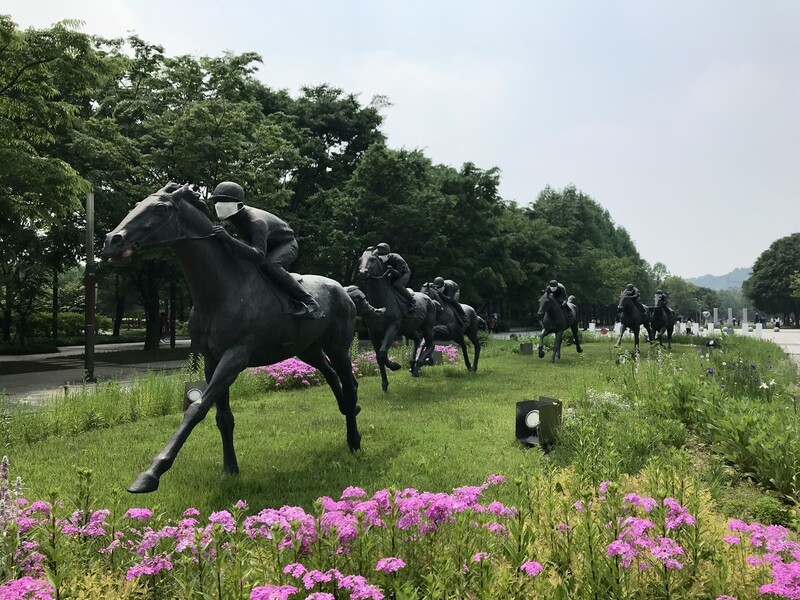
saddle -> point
(286, 301)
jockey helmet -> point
(382, 249)
(438, 284)
(228, 191)
(553, 285)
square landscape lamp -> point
(192, 392)
(537, 421)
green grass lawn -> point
(445, 429)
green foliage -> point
(770, 285)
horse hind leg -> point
(343, 385)
(476, 344)
(463, 345)
(576, 337)
(225, 424)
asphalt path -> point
(36, 377)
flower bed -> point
(555, 540)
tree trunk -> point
(151, 308)
(119, 306)
(55, 306)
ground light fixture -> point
(192, 392)
(537, 421)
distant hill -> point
(733, 279)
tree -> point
(770, 284)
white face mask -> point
(227, 209)
(383, 257)
(553, 288)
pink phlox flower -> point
(138, 514)
(666, 548)
(625, 550)
(331, 505)
(732, 539)
(353, 492)
(27, 588)
(369, 512)
(726, 597)
(466, 496)
(241, 504)
(312, 578)
(677, 515)
(578, 506)
(224, 519)
(390, 564)
(150, 566)
(272, 592)
(563, 528)
(738, 525)
(40, 506)
(644, 502)
(321, 596)
(497, 508)
(603, 489)
(344, 524)
(496, 528)
(191, 512)
(383, 499)
(494, 480)
(785, 581)
(296, 570)
(480, 557)
(531, 568)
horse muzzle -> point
(117, 250)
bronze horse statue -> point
(385, 326)
(449, 328)
(632, 318)
(555, 320)
(238, 318)
(662, 319)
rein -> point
(178, 227)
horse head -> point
(546, 300)
(171, 214)
(370, 266)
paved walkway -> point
(41, 376)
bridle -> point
(179, 228)
(365, 272)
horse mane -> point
(192, 197)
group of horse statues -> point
(248, 311)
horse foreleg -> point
(635, 331)
(383, 355)
(541, 343)
(233, 362)
(619, 339)
(339, 378)
(463, 345)
(557, 346)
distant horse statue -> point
(632, 318)
(384, 327)
(555, 320)
(450, 328)
(238, 318)
(662, 319)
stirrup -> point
(310, 312)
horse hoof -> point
(580, 350)
(354, 444)
(144, 484)
(393, 366)
(357, 409)
(416, 373)
(541, 353)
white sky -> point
(681, 117)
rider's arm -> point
(258, 251)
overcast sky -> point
(682, 118)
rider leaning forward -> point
(266, 240)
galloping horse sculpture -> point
(238, 318)
(555, 320)
(662, 319)
(450, 328)
(395, 320)
(632, 318)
